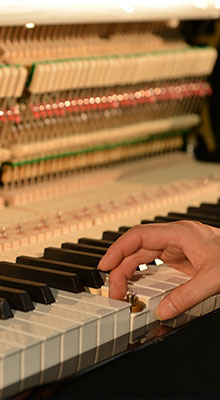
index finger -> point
(151, 237)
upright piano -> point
(103, 109)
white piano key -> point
(168, 278)
(181, 319)
(137, 325)
(87, 333)
(208, 305)
(10, 362)
(217, 301)
(69, 338)
(121, 316)
(195, 311)
(165, 269)
(30, 355)
(68, 330)
(50, 346)
(64, 319)
(161, 286)
(105, 322)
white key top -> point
(121, 317)
(50, 347)
(168, 278)
(105, 323)
(64, 309)
(161, 286)
(68, 331)
(69, 337)
(165, 269)
(30, 355)
(10, 361)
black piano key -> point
(95, 242)
(124, 229)
(89, 276)
(37, 291)
(72, 257)
(203, 213)
(182, 216)
(111, 235)
(17, 299)
(83, 247)
(212, 207)
(159, 219)
(55, 279)
(147, 221)
(169, 218)
(5, 309)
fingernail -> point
(111, 290)
(166, 310)
(100, 264)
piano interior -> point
(100, 124)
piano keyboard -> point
(77, 330)
(70, 323)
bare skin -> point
(188, 246)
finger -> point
(183, 235)
(151, 236)
(117, 284)
(129, 243)
(202, 285)
(125, 270)
(185, 267)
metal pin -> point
(131, 296)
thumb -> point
(203, 284)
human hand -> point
(188, 246)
